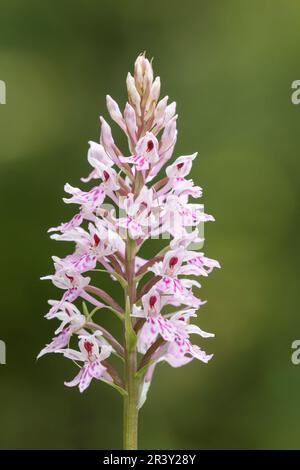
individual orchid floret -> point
(96, 153)
(169, 283)
(203, 265)
(88, 201)
(68, 282)
(146, 153)
(93, 350)
(60, 341)
(181, 349)
(181, 167)
(155, 323)
(177, 350)
(166, 147)
(171, 264)
(140, 218)
(182, 262)
(92, 246)
(68, 278)
(75, 222)
(108, 176)
(178, 215)
(183, 187)
(66, 312)
(190, 238)
(179, 291)
(69, 315)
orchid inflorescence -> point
(130, 204)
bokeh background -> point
(229, 65)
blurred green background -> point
(229, 65)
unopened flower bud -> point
(115, 112)
(163, 114)
(130, 120)
(169, 136)
(133, 95)
(160, 108)
(155, 90)
(170, 112)
(107, 140)
(143, 74)
(152, 99)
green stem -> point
(130, 416)
(130, 430)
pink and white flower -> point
(178, 215)
(93, 350)
(155, 323)
(69, 315)
(183, 262)
(146, 153)
(99, 241)
(97, 153)
(181, 350)
(181, 167)
(88, 201)
(140, 219)
(170, 284)
(178, 349)
(68, 278)
(75, 222)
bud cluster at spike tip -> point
(147, 197)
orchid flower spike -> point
(129, 200)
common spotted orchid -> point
(130, 199)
